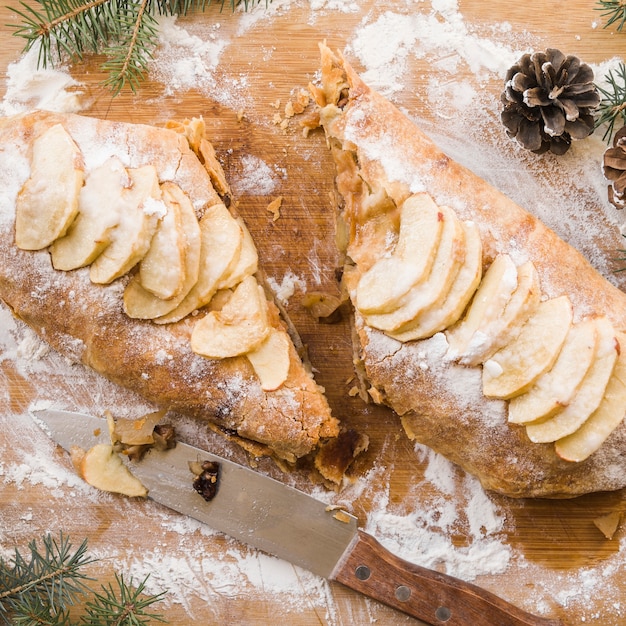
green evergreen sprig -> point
(40, 589)
(125, 31)
(612, 109)
(614, 12)
(122, 604)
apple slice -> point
(222, 240)
(99, 207)
(139, 303)
(247, 261)
(382, 287)
(442, 314)
(447, 263)
(162, 269)
(239, 327)
(271, 360)
(135, 432)
(493, 294)
(588, 398)
(142, 207)
(48, 202)
(102, 468)
(556, 388)
(494, 333)
(583, 442)
(515, 368)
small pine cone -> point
(549, 99)
(614, 167)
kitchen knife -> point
(291, 525)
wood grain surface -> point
(555, 546)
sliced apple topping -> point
(560, 378)
(583, 442)
(140, 303)
(490, 299)
(382, 287)
(99, 207)
(515, 368)
(449, 257)
(556, 388)
(271, 360)
(102, 467)
(247, 261)
(238, 328)
(447, 311)
(162, 269)
(142, 208)
(588, 397)
(121, 221)
(495, 332)
(48, 202)
(221, 240)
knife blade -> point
(291, 525)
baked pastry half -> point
(495, 341)
(118, 246)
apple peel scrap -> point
(120, 221)
(564, 379)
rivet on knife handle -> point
(433, 597)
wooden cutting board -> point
(559, 564)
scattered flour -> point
(188, 60)
(287, 287)
(424, 534)
(386, 44)
(29, 87)
(255, 177)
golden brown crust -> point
(86, 322)
(441, 404)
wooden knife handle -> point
(433, 597)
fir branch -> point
(128, 59)
(126, 31)
(38, 591)
(123, 606)
(614, 11)
(612, 108)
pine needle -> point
(121, 606)
(614, 11)
(38, 590)
(45, 584)
(612, 107)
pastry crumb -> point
(274, 207)
(608, 524)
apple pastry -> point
(495, 341)
(119, 250)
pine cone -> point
(549, 99)
(614, 167)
